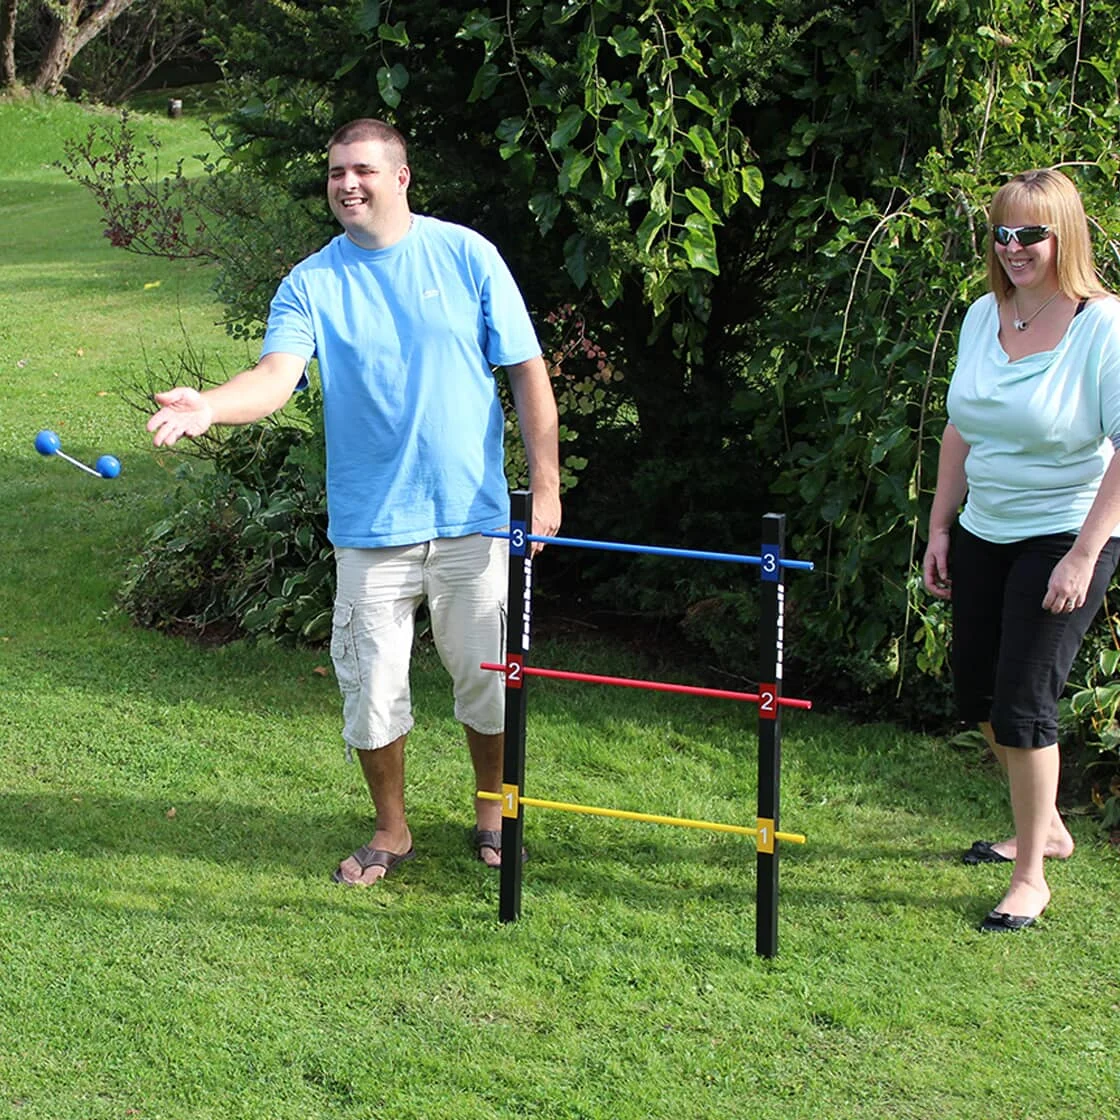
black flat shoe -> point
(982, 851)
(997, 922)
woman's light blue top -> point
(1041, 429)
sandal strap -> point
(488, 838)
(367, 857)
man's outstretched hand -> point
(184, 412)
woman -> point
(1034, 414)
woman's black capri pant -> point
(1011, 658)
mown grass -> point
(170, 942)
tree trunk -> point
(8, 79)
(71, 33)
(59, 49)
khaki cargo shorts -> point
(463, 580)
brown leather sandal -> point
(368, 857)
(490, 838)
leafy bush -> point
(245, 553)
(1090, 722)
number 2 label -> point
(767, 701)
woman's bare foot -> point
(1024, 900)
(1059, 844)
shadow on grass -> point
(240, 834)
(647, 874)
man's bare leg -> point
(486, 757)
(384, 773)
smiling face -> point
(367, 189)
(1031, 267)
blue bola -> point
(47, 443)
(108, 466)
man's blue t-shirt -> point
(406, 338)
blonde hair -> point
(1051, 199)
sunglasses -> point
(1025, 235)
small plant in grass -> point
(932, 631)
(211, 212)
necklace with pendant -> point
(1020, 323)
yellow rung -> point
(626, 815)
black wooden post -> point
(770, 638)
(519, 607)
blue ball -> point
(47, 443)
(108, 466)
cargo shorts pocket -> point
(343, 651)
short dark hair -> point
(366, 128)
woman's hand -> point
(935, 566)
(1069, 583)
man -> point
(407, 316)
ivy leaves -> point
(629, 138)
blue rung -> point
(656, 550)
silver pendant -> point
(1020, 325)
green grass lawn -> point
(171, 945)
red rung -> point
(655, 686)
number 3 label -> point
(770, 563)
